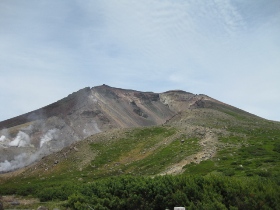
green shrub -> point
(212, 192)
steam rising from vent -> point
(21, 140)
(4, 141)
(5, 133)
(2, 138)
(18, 162)
(50, 135)
(91, 128)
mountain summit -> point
(31, 136)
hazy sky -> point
(227, 49)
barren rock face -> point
(29, 137)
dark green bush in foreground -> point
(214, 192)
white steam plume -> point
(21, 140)
(18, 162)
(50, 135)
(2, 138)
(5, 132)
(4, 141)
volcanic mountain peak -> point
(28, 137)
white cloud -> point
(226, 49)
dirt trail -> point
(208, 150)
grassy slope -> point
(247, 147)
(250, 148)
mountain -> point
(94, 137)
(31, 136)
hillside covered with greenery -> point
(201, 159)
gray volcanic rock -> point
(31, 136)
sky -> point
(226, 49)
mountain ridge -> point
(31, 136)
(47, 111)
(127, 136)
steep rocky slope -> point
(201, 140)
(29, 137)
